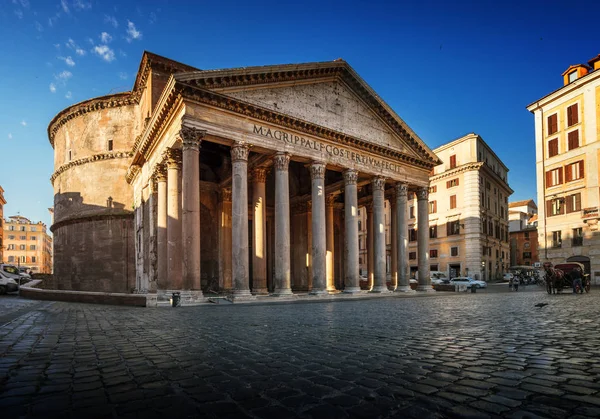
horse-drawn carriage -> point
(560, 276)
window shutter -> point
(577, 202)
(448, 229)
(552, 124)
(453, 161)
(574, 114)
(548, 179)
(447, 184)
(569, 173)
(560, 176)
(569, 202)
(434, 206)
(581, 175)
(549, 208)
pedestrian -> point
(516, 283)
(510, 283)
(576, 277)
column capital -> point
(330, 200)
(369, 207)
(401, 189)
(239, 151)
(226, 194)
(160, 173)
(172, 157)
(378, 183)
(259, 174)
(317, 170)
(191, 137)
(152, 185)
(423, 193)
(350, 176)
(281, 161)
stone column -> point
(190, 217)
(282, 225)
(379, 273)
(330, 243)
(259, 232)
(402, 233)
(174, 265)
(351, 223)
(394, 237)
(423, 239)
(160, 174)
(239, 221)
(225, 237)
(370, 245)
(319, 239)
(152, 223)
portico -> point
(256, 177)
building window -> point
(526, 255)
(454, 251)
(432, 207)
(526, 234)
(33, 228)
(552, 124)
(22, 247)
(11, 237)
(553, 147)
(22, 228)
(433, 189)
(433, 232)
(574, 171)
(452, 201)
(453, 161)
(554, 207)
(573, 139)
(360, 243)
(412, 235)
(572, 76)
(452, 183)
(573, 202)
(572, 115)
(11, 228)
(453, 228)
(577, 237)
(10, 247)
(32, 247)
(11, 259)
(359, 225)
(484, 226)
(433, 253)
(110, 145)
(554, 177)
(23, 259)
(23, 237)
(70, 155)
(412, 255)
(32, 238)
(33, 260)
(556, 240)
(411, 212)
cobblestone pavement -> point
(489, 354)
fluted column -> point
(402, 233)
(379, 273)
(330, 243)
(370, 245)
(319, 239)
(174, 265)
(351, 224)
(423, 239)
(239, 221)
(160, 174)
(282, 225)
(394, 239)
(190, 217)
(259, 232)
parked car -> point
(438, 277)
(7, 283)
(12, 271)
(469, 282)
(507, 276)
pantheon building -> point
(243, 181)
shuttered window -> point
(452, 183)
(552, 124)
(573, 203)
(453, 161)
(432, 207)
(572, 115)
(452, 201)
(554, 177)
(573, 137)
(574, 171)
(553, 147)
(554, 207)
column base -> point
(242, 293)
(260, 291)
(380, 289)
(191, 298)
(238, 298)
(284, 293)
(318, 292)
(404, 288)
(352, 290)
(425, 288)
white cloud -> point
(105, 37)
(10, 136)
(123, 76)
(104, 52)
(68, 95)
(152, 17)
(65, 6)
(19, 13)
(72, 45)
(79, 5)
(24, 123)
(52, 87)
(53, 19)
(57, 46)
(64, 75)
(68, 61)
(39, 27)
(24, 3)
(132, 32)
(111, 20)
(80, 51)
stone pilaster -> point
(191, 139)
(394, 239)
(151, 254)
(423, 239)
(351, 226)
(225, 237)
(379, 272)
(259, 232)
(162, 243)
(282, 225)
(370, 245)
(239, 221)
(174, 264)
(319, 240)
(330, 259)
(402, 233)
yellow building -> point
(27, 244)
(567, 131)
(2, 203)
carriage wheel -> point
(587, 286)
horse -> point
(555, 279)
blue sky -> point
(447, 68)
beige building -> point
(27, 244)
(245, 180)
(467, 210)
(567, 131)
(2, 203)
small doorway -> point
(454, 270)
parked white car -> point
(507, 276)
(7, 283)
(469, 282)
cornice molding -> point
(90, 159)
(457, 170)
(89, 218)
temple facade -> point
(246, 181)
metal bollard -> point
(473, 289)
(176, 299)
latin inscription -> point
(339, 153)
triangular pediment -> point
(329, 95)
